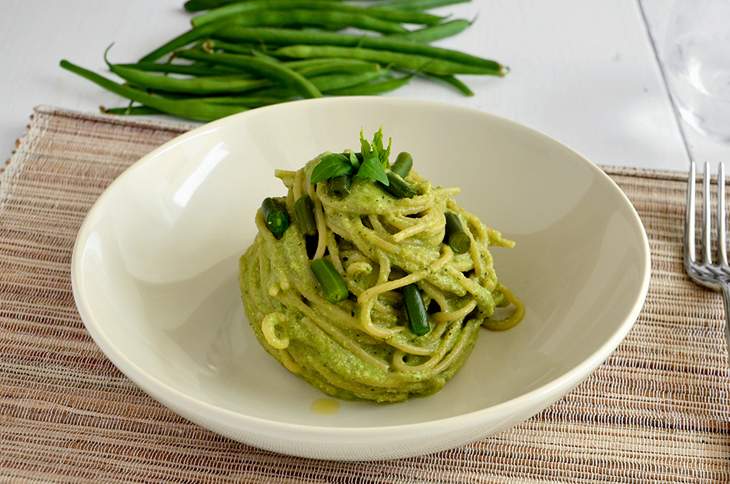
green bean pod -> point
(418, 4)
(398, 187)
(436, 32)
(275, 216)
(196, 69)
(264, 67)
(332, 284)
(340, 186)
(390, 43)
(372, 88)
(197, 85)
(327, 83)
(239, 9)
(304, 215)
(405, 61)
(403, 164)
(189, 109)
(455, 236)
(452, 81)
(198, 5)
(415, 310)
(306, 17)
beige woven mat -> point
(658, 409)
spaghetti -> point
(362, 347)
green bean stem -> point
(332, 284)
(130, 110)
(304, 215)
(275, 216)
(189, 109)
(415, 310)
(181, 41)
(393, 44)
(403, 164)
(211, 45)
(455, 236)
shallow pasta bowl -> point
(155, 274)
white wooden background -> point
(583, 71)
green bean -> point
(309, 67)
(452, 81)
(304, 215)
(403, 164)
(328, 83)
(332, 283)
(247, 101)
(244, 8)
(271, 70)
(391, 43)
(415, 310)
(192, 109)
(405, 61)
(198, 5)
(299, 17)
(398, 187)
(418, 4)
(243, 101)
(372, 88)
(314, 70)
(130, 110)
(196, 69)
(275, 216)
(202, 85)
(279, 19)
(436, 32)
(323, 83)
(340, 186)
(455, 236)
(181, 41)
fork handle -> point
(726, 300)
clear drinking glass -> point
(697, 61)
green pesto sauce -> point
(319, 358)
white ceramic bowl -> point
(155, 274)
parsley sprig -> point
(375, 162)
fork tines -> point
(706, 241)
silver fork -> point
(715, 275)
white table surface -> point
(583, 71)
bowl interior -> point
(155, 270)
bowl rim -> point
(200, 411)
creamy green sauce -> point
(325, 343)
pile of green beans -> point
(244, 54)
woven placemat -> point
(657, 410)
